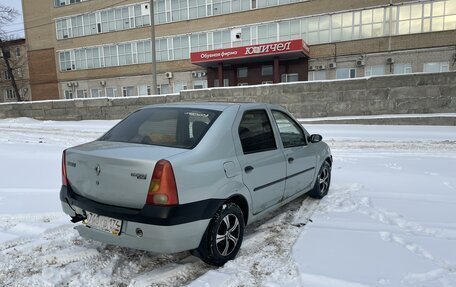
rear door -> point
(262, 162)
(300, 159)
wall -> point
(396, 94)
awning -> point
(284, 50)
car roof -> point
(219, 106)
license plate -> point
(104, 223)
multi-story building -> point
(97, 48)
(16, 53)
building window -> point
(163, 89)
(179, 86)
(144, 90)
(18, 51)
(125, 54)
(110, 56)
(290, 77)
(317, 75)
(267, 70)
(6, 75)
(436, 67)
(345, 73)
(200, 84)
(181, 47)
(242, 72)
(68, 94)
(374, 70)
(58, 3)
(198, 42)
(128, 91)
(144, 52)
(111, 92)
(81, 94)
(96, 93)
(226, 83)
(10, 94)
(402, 68)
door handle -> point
(290, 160)
(248, 169)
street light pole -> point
(152, 37)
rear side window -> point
(256, 133)
(172, 127)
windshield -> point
(171, 127)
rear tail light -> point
(162, 189)
(64, 173)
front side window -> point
(171, 127)
(255, 132)
(290, 132)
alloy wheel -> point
(323, 179)
(227, 234)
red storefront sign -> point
(283, 47)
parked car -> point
(190, 176)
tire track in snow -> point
(342, 200)
(59, 257)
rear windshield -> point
(172, 127)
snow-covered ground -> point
(389, 219)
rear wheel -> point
(322, 182)
(223, 237)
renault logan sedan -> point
(191, 176)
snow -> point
(388, 219)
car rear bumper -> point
(164, 229)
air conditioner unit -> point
(322, 67)
(390, 61)
(332, 65)
(312, 68)
(169, 75)
(195, 74)
(360, 63)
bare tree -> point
(7, 15)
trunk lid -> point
(114, 173)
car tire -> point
(223, 237)
(322, 182)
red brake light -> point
(162, 189)
(64, 173)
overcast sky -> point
(17, 27)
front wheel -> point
(322, 182)
(224, 236)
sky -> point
(17, 27)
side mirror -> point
(315, 138)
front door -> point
(262, 162)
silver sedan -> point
(191, 176)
